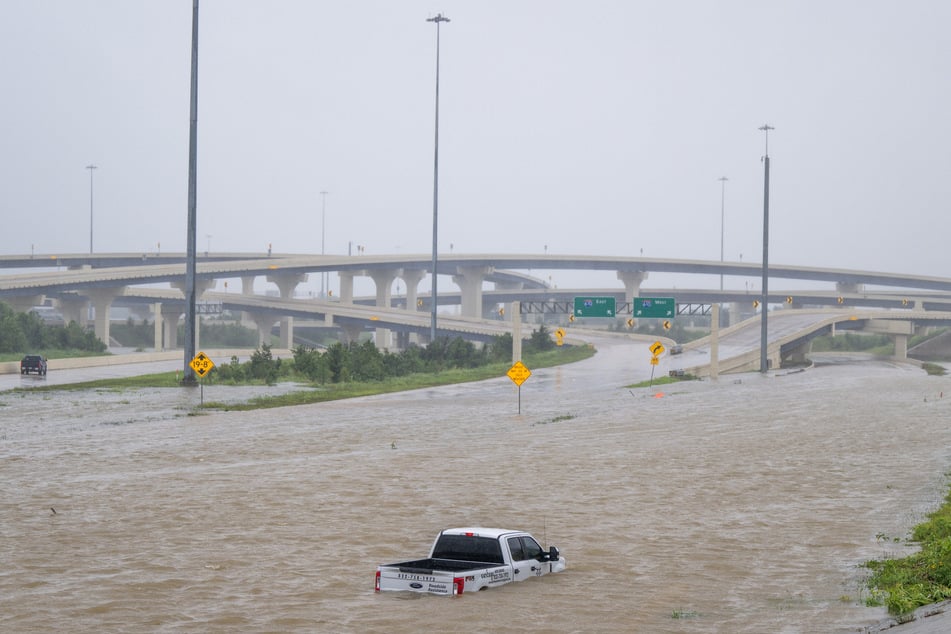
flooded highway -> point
(744, 504)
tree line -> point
(363, 361)
(27, 332)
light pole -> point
(323, 218)
(191, 266)
(432, 330)
(723, 180)
(762, 346)
(90, 167)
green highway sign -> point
(594, 307)
(654, 307)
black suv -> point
(33, 363)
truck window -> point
(531, 548)
(523, 548)
(466, 548)
(515, 547)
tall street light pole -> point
(432, 330)
(763, 363)
(90, 167)
(188, 377)
(323, 219)
(723, 180)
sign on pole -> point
(519, 373)
(655, 307)
(201, 364)
(595, 307)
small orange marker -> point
(659, 395)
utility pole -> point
(432, 331)
(763, 361)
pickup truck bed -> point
(427, 566)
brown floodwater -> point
(746, 504)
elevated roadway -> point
(103, 279)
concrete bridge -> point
(101, 280)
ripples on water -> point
(739, 505)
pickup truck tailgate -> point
(418, 580)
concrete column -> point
(383, 279)
(286, 283)
(200, 287)
(412, 278)
(901, 346)
(157, 323)
(849, 287)
(101, 299)
(350, 333)
(264, 323)
(247, 284)
(469, 279)
(170, 317)
(632, 281)
(346, 285)
(74, 308)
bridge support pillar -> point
(169, 316)
(200, 287)
(286, 284)
(632, 281)
(264, 323)
(350, 333)
(346, 286)
(157, 326)
(412, 278)
(901, 346)
(383, 279)
(469, 279)
(74, 308)
(849, 287)
(101, 299)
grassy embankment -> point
(317, 393)
(902, 585)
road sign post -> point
(519, 373)
(202, 365)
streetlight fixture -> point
(90, 167)
(323, 217)
(763, 364)
(432, 331)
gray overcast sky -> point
(590, 127)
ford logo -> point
(416, 586)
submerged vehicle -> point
(471, 559)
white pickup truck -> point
(470, 559)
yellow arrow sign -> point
(657, 348)
(201, 364)
(519, 373)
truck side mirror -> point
(552, 554)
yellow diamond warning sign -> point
(201, 364)
(519, 373)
